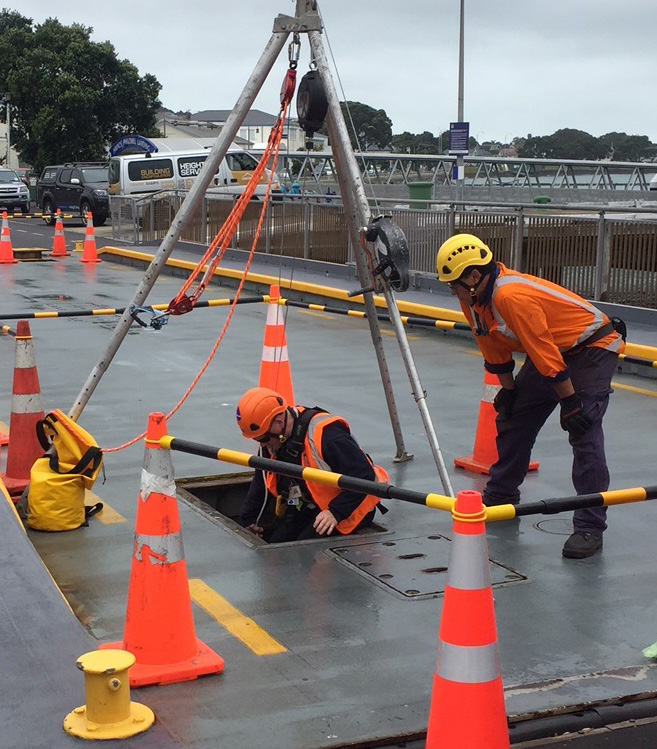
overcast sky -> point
(531, 66)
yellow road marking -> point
(244, 629)
(107, 516)
(639, 391)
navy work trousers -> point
(591, 372)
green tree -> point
(624, 147)
(70, 97)
(566, 143)
(368, 128)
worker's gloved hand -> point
(573, 419)
(503, 402)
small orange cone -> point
(484, 454)
(159, 626)
(89, 250)
(275, 365)
(467, 700)
(26, 411)
(58, 241)
(6, 250)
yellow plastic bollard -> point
(108, 712)
(79, 244)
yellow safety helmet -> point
(459, 253)
(256, 410)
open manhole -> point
(220, 499)
(412, 567)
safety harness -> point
(290, 491)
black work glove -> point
(573, 419)
(503, 402)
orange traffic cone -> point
(159, 626)
(6, 250)
(58, 241)
(485, 449)
(89, 249)
(26, 411)
(275, 365)
(467, 701)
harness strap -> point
(291, 451)
(602, 332)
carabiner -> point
(293, 50)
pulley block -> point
(312, 104)
(391, 251)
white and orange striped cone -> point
(26, 410)
(467, 701)
(89, 254)
(58, 240)
(275, 364)
(484, 454)
(159, 625)
(6, 250)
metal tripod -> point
(308, 21)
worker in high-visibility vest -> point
(572, 349)
(308, 437)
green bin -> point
(542, 199)
(420, 193)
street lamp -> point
(6, 99)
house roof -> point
(253, 116)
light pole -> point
(459, 158)
(7, 99)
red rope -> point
(276, 141)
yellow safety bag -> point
(58, 480)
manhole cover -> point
(557, 526)
(413, 567)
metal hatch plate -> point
(412, 567)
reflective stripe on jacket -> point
(312, 458)
(528, 314)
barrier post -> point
(467, 701)
(484, 454)
(26, 410)
(159, 625)
(275, 364)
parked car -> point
(14, 194)
(78, 187)
(23, 175)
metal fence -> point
(600, 253)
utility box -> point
(420, 193)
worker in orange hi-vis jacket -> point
(572, 349)
(313, 438)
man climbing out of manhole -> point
(309, 437)
(572, 349)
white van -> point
(144, 173)
(653, 183)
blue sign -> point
(459, 138)
(132, 144)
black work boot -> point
(581, 545)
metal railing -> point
(602, 253)
(383, 168)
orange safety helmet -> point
(256, 410)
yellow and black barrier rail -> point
(389, 491)
(45, 216)
(411, 321)
(422, 322)
(6, 330)
(48, 314)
